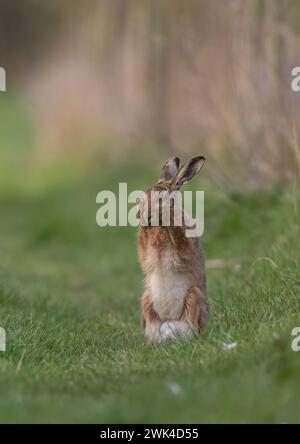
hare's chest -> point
(168, 289)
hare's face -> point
(159, 203)
(156, 208)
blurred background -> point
(135, 79)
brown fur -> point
(148, 313)
(196, 308)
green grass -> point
(69, 298)
(69, 301)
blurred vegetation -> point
(177, 77)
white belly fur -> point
(168, 289)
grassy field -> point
(69, 301)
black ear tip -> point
(198, 159)
(177, 161)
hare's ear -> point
(188, 171)
(170, 169)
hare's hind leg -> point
(150, 320)
(196, 308)
(193, 318)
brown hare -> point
(174, 303)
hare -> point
(174, 304)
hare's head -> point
(159, 199)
